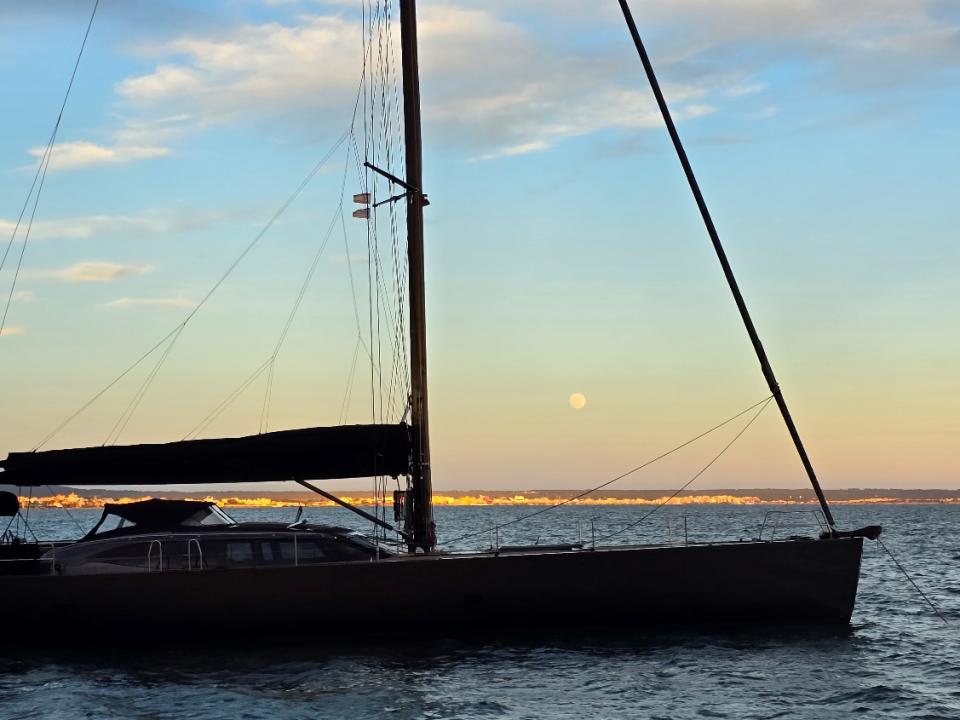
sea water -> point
(897, 660)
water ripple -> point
(897, 661)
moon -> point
(578, 401)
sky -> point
(564, 252)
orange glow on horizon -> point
(74, 501)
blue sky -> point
(564, 253)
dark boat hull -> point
(803, 581)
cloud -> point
(266, 72)
(742, 90)
(96, 272)
(847, 44)
(493, 86)
(526, 95)
(766, 112)
(168, 221)
(11, 331)
(497, 84)
(135, 139)
(174, 302)
(72, 155)
(23, 296)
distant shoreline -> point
(60, 497)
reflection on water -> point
(897, 660)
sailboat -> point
(796, 580)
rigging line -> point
(915, 586)
(276, 216)
(134, 403)
(394, 327)
(70, 515)
(388, 101)
(271, 360)
(398, 374)
(264, 409)
(26, 519)
(373, 401)
(371, 154)
(391, 329)
(646, 464)
(23, 248)
(265, 413)
(353, 287)
(381, 292)
(358, 163)
(176, 330)
(103, 391)
(348, 391)
(697, 475)
(364, 176)
(765, 365)
(44, 162)
(224, 404)
(306, 284)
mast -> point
(765, 366)
(419, 510)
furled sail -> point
(321, 453)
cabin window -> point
(340, 550)
(113, 522)
(266, 551)
(309, 551)
(240, 552)
(210, 515)
(126, 555)
(283, 551)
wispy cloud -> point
(12, 331)
(497, 85)
(72, 155)
(749, 89)
(174, 302)
(154, 222)
(135, 139)
(23, 296)
(766, 112)
(95, 272)
(256, 72)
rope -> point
(265, 413)
(180, 326)
(691, 480)
(270, 363)
(121, 424)
(348, 392)
(646, 464)
(910, 579)
(267, 396)
(218, 410)
(41, 175)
